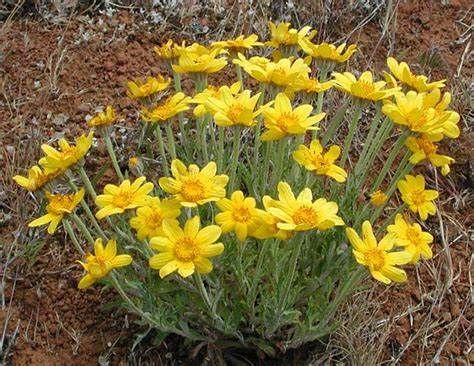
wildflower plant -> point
(249, 211)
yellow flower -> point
(284, 73)
(152, 85)
(418, 199)
(149, 219)
(327, 51)
(410, 236)
(239, 44)
(36, 178)
(283, 35)
(450, 119)
(269, 227)
(377, 256)
(104, 118)
(313, 159)
(231, 109)
(102, 262)
(378, 198)
(239, 214)
(199, 59)
(211, 91)
(192, 186)
(117, 199)
(186, 250)
(67, 155)
(409, 110)
(363, 88)
(168, 51)
(133, 162)
(418, 82)
(58, 206)
(423, 148)
(301, 213)
(283, 120)
(173, 105)
(310, 86)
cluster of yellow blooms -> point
(410, 101)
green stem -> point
(85, 179)
(72, 236)
(235, 157)
(113, 157)
(350, 134)
(220, 148)
(335, 123)
(83, 228)
(161, 148)
(238, 71)
(170, 137)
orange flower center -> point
(305, 215)
(155, 220)
(362, 89)
(418, 197)
(186, 249)
(375, 258)
(193, 190)
(241, 214)
(61, 203)
(413, 235)
(235, 111)
(286, 120)
(427, 146)
(123, 199)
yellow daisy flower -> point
(58, 206)
(186, 250)
(283, 35)
(269, 226)
(192, 186)
(409, 110)
(199, 59)
(310, 86)
(423, 148)
(363, 88)
(239, 44)
(117, 199)
(378, 198)
(283, 120)
(99, 264)
(418, 199)
(211, 91)
(420, 83)
(152, 85)
(328, 52)
(231, 109)
(169, 51)
(378, 256)
(301, 213)
(450, 119)
(239, 214)
(313, 159)
(36, 178)
(412, 238)
(173, 105)
(67, 155)
(104, 118)
(149, 219)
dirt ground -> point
(55, 71)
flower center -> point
(413, 235)
(241, 214)
(234, 112)
(61, 203)
(186, 249)
(123, 199)
(418, 197)
(375, 258)
(305, 215)
(286, 120)
(193, 190)
(155, 220)
(162, 112)
(362, 89)
(427, 146)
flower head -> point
(211, 91)
(127, 195)
(168, 51)
(173, 105)
(199, 59)
(319, 162)
(301, 213)
(231, 109)
(363, 88)
(378, 198)
(192, 186)
(418, 199)
(282, 120)
(328, 52)
(412, 238)
(104, 118)
(440, 103)
(240, 43)
(152, 85)
(186, 249)
(310, 86)
(378, 257)
(420, 83)
(239, 214)
(99, 264)
(149, 219)
(37, 178)
(283, 35)
(58, 206)
(424, 148)
(67, 155)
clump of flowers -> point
(247, 212)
